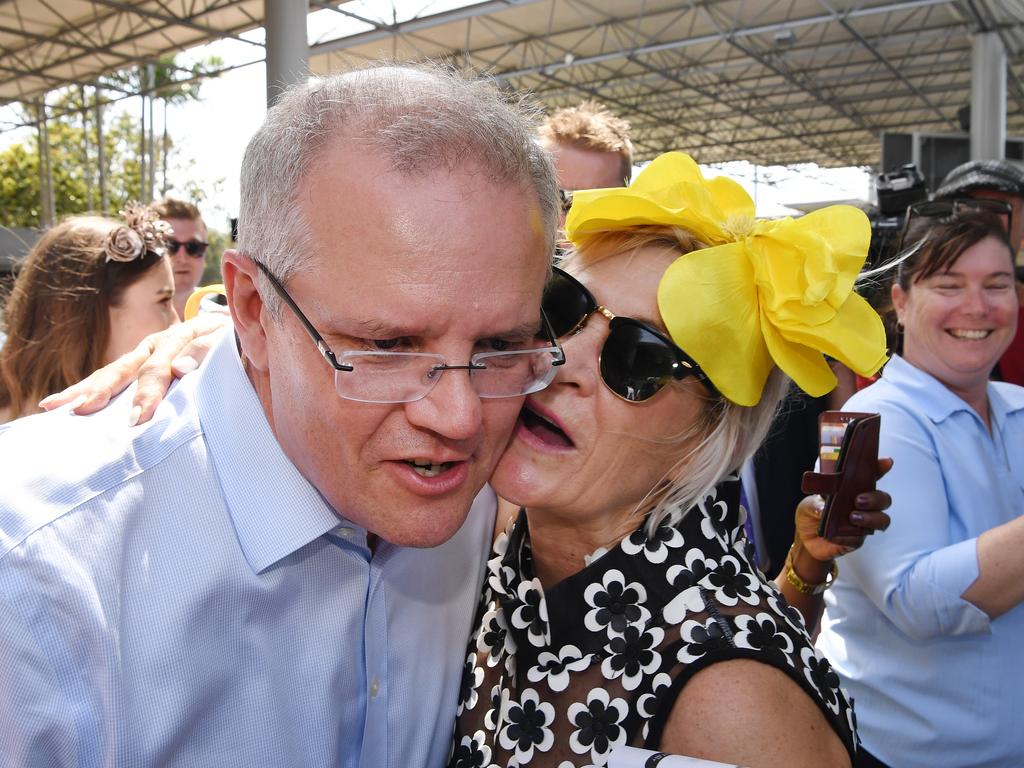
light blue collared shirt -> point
(177, 594)
(935, 681)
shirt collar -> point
(274, 509)
(1003, 400)
(934, 398)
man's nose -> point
(452, 408)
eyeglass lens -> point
(395, 377)
(636, 362)
(192, 247)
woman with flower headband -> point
(90, 290)
(621, 607)
(624, 576)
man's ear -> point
(246, 306)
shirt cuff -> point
(952, 570)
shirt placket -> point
(375, 752)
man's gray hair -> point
(420, 117)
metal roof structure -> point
(770, 81)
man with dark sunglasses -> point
(186, 247)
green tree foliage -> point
(19, 166)
(73, 140)
(219, 242)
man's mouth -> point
(428, 468)
(970, 335)
(544, 429)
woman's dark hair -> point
(936, 244)
(57, 316)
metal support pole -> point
(151, 179)
(86, 158)
(988, 97)
(142, 147)
(47, 207)
(101, 155)
(287, 49)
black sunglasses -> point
(947, 210)
(194, 248)
(636, 361)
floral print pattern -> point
(560, 678)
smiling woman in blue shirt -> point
(925, 625)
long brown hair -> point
(57, 317)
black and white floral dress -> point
(560, 678)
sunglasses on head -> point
(636, 360)
(195, 248)
(945, 211)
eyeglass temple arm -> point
(321, 345)
(560, 359)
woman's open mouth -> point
(544, 429)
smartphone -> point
(847, 467)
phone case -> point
(855, 471)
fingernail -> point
(864, 499)
(185, 365)
(857, 517)
(134, 416)
(45, 400)
(77, 403)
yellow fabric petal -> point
(670, 191)
(855, 337)
(770, 292)
(708, 301)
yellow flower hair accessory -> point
(763, 292)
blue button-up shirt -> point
(935, 681)
(177, 594)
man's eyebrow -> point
(376, 328)
(525, 330)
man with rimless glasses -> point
(186, 247)
(281, 568)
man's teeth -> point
(961, 333)
(429, 469)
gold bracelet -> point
(802, 586)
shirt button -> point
(345, 533)
(374, 688)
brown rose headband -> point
(143, 231)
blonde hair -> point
(724, 434)
(591, 126)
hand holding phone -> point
(848, 466)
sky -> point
(210, 135)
